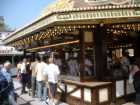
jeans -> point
(41, 90)
(33, 85)
(53, 88)
(23, 82)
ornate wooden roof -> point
(60, 5)
(80, 12)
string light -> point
(118, 29)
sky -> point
(17, 13)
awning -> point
(7, 50)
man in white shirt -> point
(33, 77)
(23, 75)
(52, 72)
(40, 66)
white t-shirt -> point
(39, 71)
(23, 68)
(52, 71)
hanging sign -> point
(120, 2)
(107, 2)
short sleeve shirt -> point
(52, 71)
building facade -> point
(84, 30)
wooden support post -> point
(110, 93)
(82, 55)
(136, 46)
(100, 51)
(94, 98)
(125, 88)
(24, 53)
(114, 91)
(82, 94)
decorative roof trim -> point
(52, 17)
(76, 10)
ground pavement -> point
(129, 104)
(25, 99)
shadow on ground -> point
(25, 104)
(21, 101)
(58, 103)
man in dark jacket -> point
(3, 89)
(135, 72)
(10, 88)
(136, 82)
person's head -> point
(20, 61)
(50, 60)
(125, 53)
(38, 59)
(87, 56)
(137, 61)
(1, 66)
(35, 59)
(44, 58)
(56, 56)
(7, 65)
(24, 60)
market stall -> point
(85, 35)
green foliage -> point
(3, 26)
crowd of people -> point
(41, 76)
(118, 67)
(38, 76)
(126, 67)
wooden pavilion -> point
(85, 28)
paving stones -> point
(25, 99)
(129, 104)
